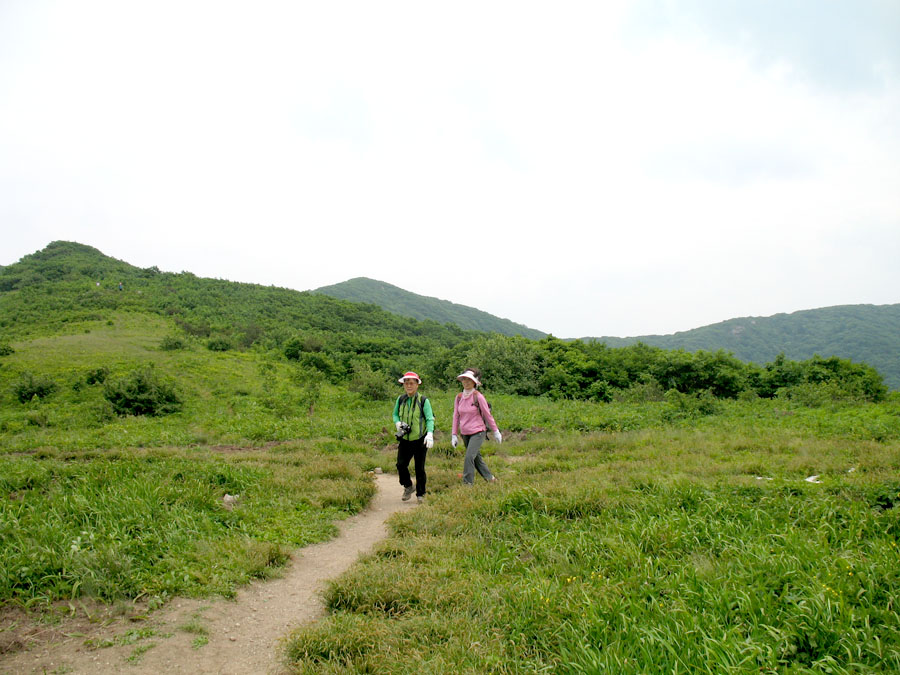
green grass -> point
(652, 551)
(663, 536)
(152, 523)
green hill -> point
(866, 333)
(69, 290)
(66, 285)
(404, 303)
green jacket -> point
(420, 420)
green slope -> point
(405, 303)
(863, 333)
(53, 290)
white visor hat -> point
(470, 375)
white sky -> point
(584, 168)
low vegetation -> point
(656, 511)
(155, 523)
(669, 550)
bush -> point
(296, 346)
(142, 393)
(321, 362)
(171, 343)
(218, 344)
(681, 406)
(370, 384)
(309, 383)
(600, 390)
(97, 375)
(646, 390)
(38, 418)
(28, 387)
(293, 348)
(5, 349)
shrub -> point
(293, 348)
(599, 390)
(198, 329)
(38, 418)
(813, 395)
(172, 343)
(300, 344)
(681, 406)
(5, 349)
(29, 386)
(309, 381)
(142, 393)
(647, 389)
(218, 344)
(97, 375)
(370, 384)
(320, 362)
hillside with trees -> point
(67, 288)
(868, 333)
(405, 303)
(58, 289)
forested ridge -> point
(867, 333)
(400, 301)
(66, 285)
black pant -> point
(407, 450)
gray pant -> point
(473, 459)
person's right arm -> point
(396, 414)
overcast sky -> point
(596, 168)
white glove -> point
(498, 437)
(429, 440)
(398, 425)
(454, 440)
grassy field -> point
(639, 552)
(676, 535)
(152, 523)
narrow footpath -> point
(245, 633)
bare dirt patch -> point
(210, 635)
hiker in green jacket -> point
(414, 421)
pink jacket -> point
(466, 417)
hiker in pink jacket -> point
(471, 419)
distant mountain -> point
(398, 301)
(867, 333)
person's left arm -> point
(429, 416)
(486, 412)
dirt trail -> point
(244, 634)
